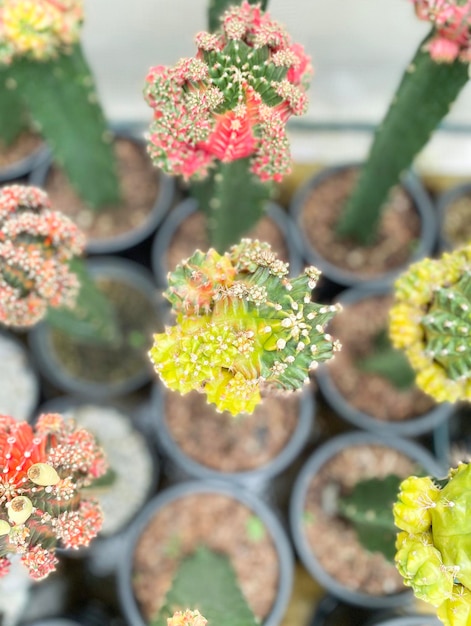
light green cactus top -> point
(242, 326)
(434, 545)
(431, 321)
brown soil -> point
(356, 327)
(228, 444)
(398, 231)
(332, 539)
(218, 522)
(101, 363)
(25, 145)
(191, 236)
(139, 186)
(457, 222)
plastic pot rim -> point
(260, 475)
(411, 427)
(296, 509)
(39, 337)
(261, 509)
(444, 200)
(25, 166)
(426, 240)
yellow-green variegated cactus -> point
(242, 325)
(434, 545)
(431, 321)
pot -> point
(136, 233)
(454, 217)
(411, 427)
(172, 494)
(265, 480)
(315, 463)
(188, 207)
(43, 338)
(347, 278)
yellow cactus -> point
(431, 321)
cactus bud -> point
(416, 497)
(20, 509)
(456, 611)
(431, 321)
(187, 618)
(252, 327)
(43, 474)
(4, 527)
(451, 38)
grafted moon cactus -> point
(431, 321)
(242, 326)
(38, 29)
(43, 471)
(434, 545)
(232, 100)
(36, 244)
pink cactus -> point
(42, 474)
(36, 244)
(451, 20)
(232, 100)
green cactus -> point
(242, 325)
(431, 321)
(423, 98)
(369, 508)
(434, 545)
(207, 580)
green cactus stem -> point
(242, 326)
(207, 580)
(217, 8)
(13, 117)
(369, 508)
(434, 545)
(431, 321)
(424, 97)
(61, 98)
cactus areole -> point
(431, 321)
(242, 327)
(434, 545)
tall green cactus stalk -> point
(434, 546)
(424, 97)
(217, 8)
(369, 509)
(61, 98)
(207, 580)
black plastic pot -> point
(315, 462)
(342, 277)
(124, 241)
(50, 367)
(189, 206)
(406, 428)
(24, 383)
(445, 200)
(405, 620)
(179, 466)
(120, 450)
(267, 516)
(23, 167)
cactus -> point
(187, 618)
(431, 321)
(43, 472)
(242, 326)
(431, 83)
(433, 547)
(220, 117)
(207, 579)
(369, 508)
(217, 8)
(45, 81)
(36, 245)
